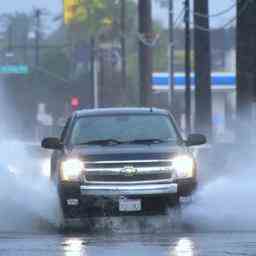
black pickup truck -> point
(122, 161)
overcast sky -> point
(55, 7)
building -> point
(223, 99)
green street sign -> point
(14, 69)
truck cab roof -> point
(111, 111)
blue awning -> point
(216, 80)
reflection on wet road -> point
(166, 244)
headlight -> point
(184, 166)
(71, 169)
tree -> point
(104, 24)
(97, 15)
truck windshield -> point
(123, 128)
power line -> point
(228, 23)
(214, 15)
(179, 17)
(217, 14)
(53, 75)
(152, 40)
(241, 11)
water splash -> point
(227, 202)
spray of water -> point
(28, 200)
(227, 202)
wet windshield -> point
(123, 128)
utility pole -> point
(37, 38)
(123, 44)
(171, 56)
(246, 66)
(187, 67)
(94, 74)
(203, 102)
(25, 50)
(145, 51)
(10, 37)
(102, 79)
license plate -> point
(129, 205)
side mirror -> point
(196, 140)
(52, 143)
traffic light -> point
(75, 102)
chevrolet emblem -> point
(129, 171)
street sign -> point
(14, 69)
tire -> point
(173, 200)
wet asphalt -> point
(129, 236)
(157, 244)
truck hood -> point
(126, 152)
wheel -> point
(173, 200)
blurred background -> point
(71, 55)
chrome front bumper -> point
(119, 190)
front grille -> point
(122, 178)
(139, 171)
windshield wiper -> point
(101, 142)
(107, 142)
(146, 141)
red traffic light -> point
(75, 102)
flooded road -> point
(166, 244)
(219, 220)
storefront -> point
(223, 100)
